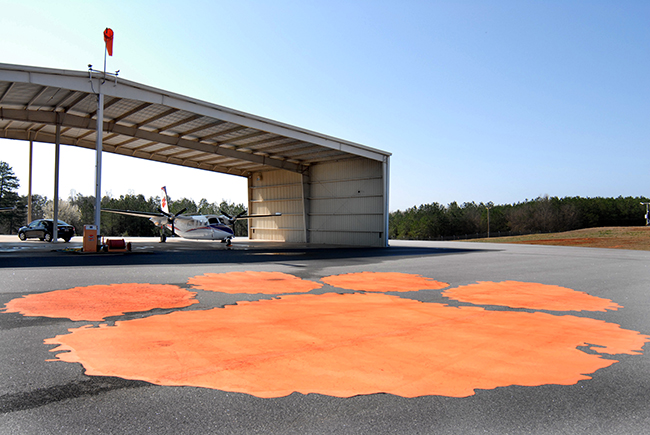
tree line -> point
(543, 214)
(79, 210)
(426, 222)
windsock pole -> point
(108, 49)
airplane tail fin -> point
(164, 201)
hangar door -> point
(341, 202)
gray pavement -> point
(42, 397)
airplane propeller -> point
(231, 220)
(171, 218)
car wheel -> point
(48, 237)
(22, 236)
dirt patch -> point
(636, 238)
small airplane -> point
(201, 227)
(7, 209)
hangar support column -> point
(386, 170)
(250, 205)
(57, 153)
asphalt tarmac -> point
(38, 396)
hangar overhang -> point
(141, 121)
(148, 123)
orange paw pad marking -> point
(349, 344)
(96, 302)
(531, 295)
(268, 283)
(384, 282)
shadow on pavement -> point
(61, 258)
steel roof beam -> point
(35, 97)
(203, 127)
(88, 133)
(6, 92)
(272, 142)
(50, 137)
(75, 121)
(177, 123)
(223, 133)
(126, 142)
(139, 147)
(59, 105)
(247, 136)
(78, 100)
(157, 117)
(107, 104)
(130, 112)
(281, 147)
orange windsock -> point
(108, 39)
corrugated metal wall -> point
(276, 192)
(345, 203)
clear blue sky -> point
(477, 100)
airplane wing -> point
(259, 216)
(144, 214)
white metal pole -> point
(386, 173)
(250, 204)
(57, 152)
(29, 192)
(98, 158)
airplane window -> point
(213, 220)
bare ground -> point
(637, 238)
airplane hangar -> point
(329, 191)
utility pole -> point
(488, 206)
(647, 213)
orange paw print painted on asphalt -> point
(96, 302)
(530, 295)
(358, 343)
(383, 282)
(269, 283)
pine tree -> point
(10, 221)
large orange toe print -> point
(96, 302)
(384, 282)
(252, 282)
(531, 295)
(349, 344)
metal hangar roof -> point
(149, 123)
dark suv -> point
(43, 229)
